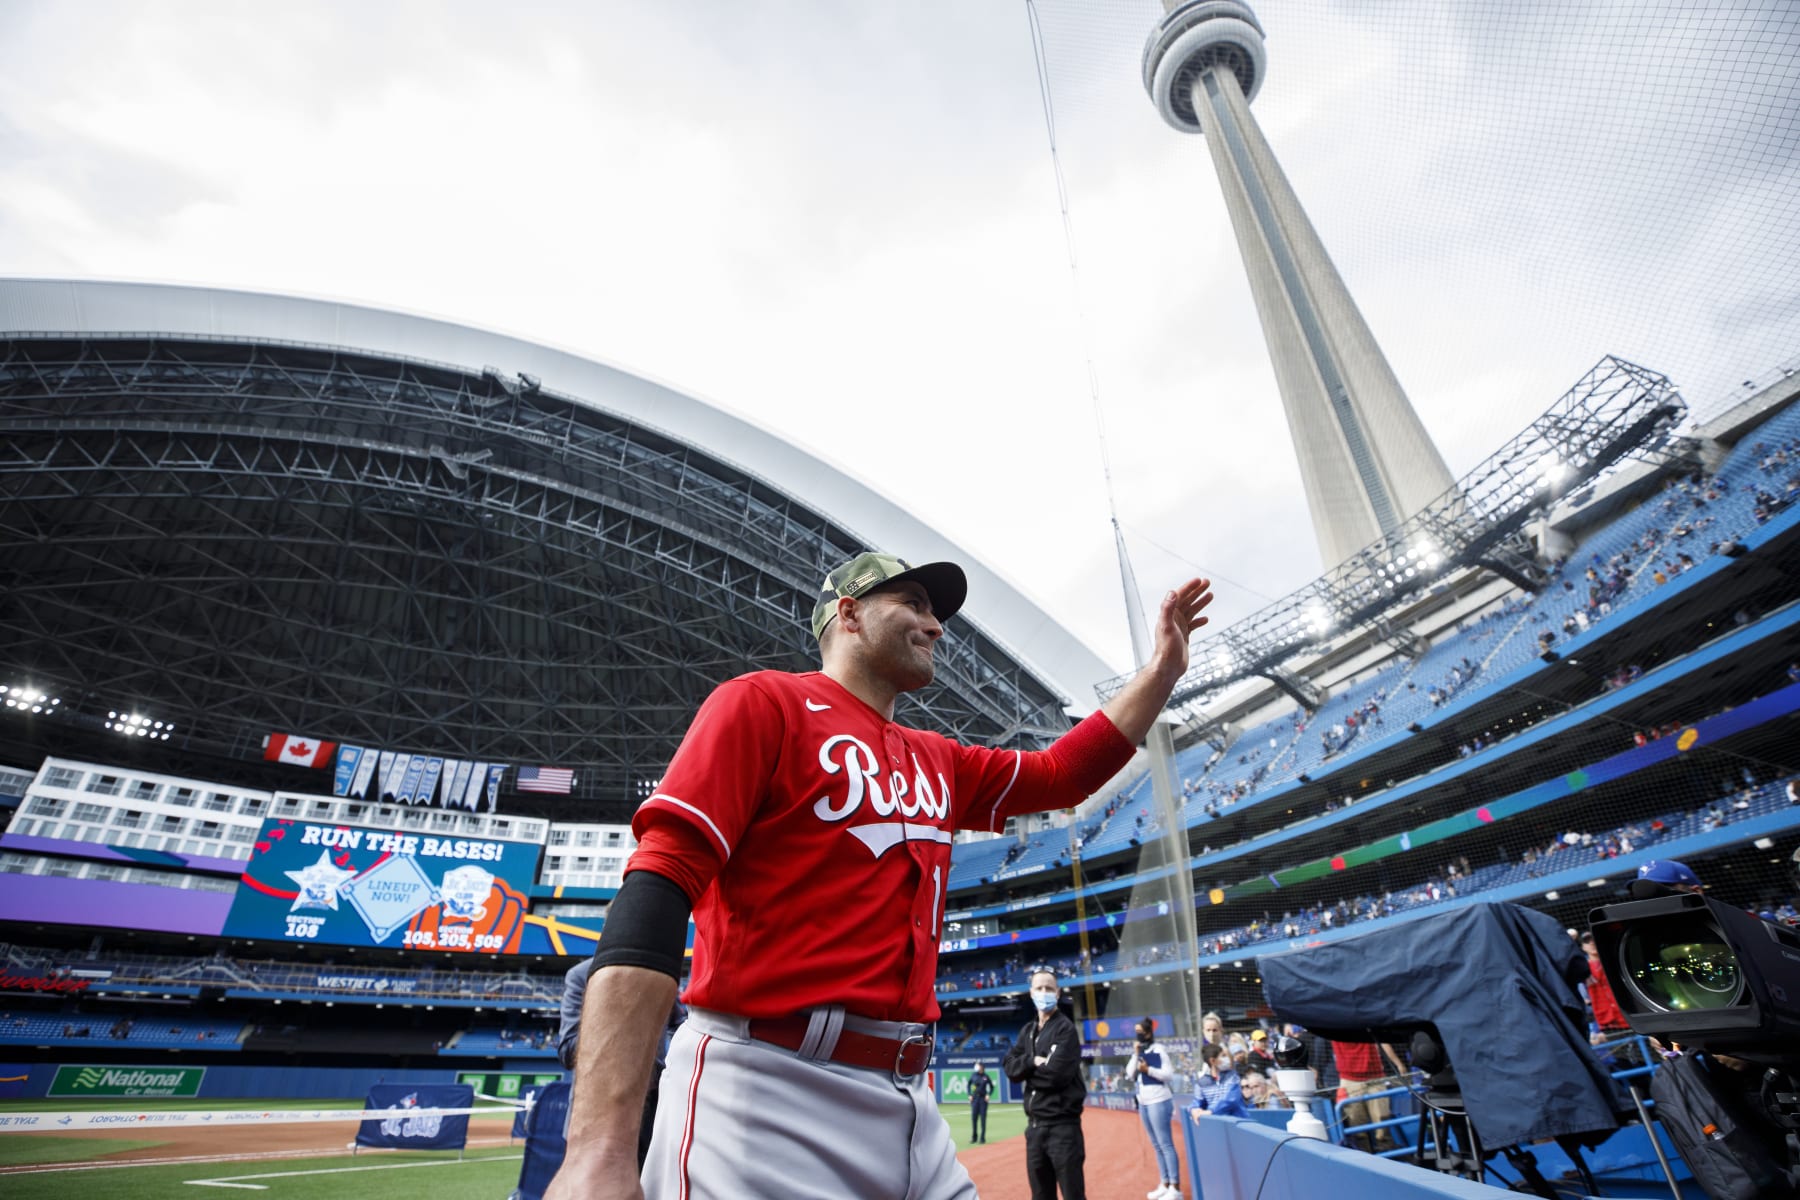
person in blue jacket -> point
(1216, 1088)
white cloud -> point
(842, 221)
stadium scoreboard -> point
(397, 889)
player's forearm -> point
(1142, 700)
(621, 1026)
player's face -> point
(898, 633)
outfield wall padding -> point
(269, 1083)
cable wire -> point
(1068, 224)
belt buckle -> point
(918, 1039)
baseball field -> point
(312, 1162)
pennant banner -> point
(428, 780)
(477, 780)
(493, 785)
(409, 783)
(365, 771)
(348, 759)
(447, 785)
(393, 779)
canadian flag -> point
(300, 751)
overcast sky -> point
(840, 220)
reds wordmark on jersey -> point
(832, 828)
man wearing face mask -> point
(1046, 1061)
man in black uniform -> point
(981, 1086)
(1047, 1061)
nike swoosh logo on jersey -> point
(811, 707)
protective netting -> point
(1498, 183)
(1510, 191)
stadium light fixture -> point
(27, 699)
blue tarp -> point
(544, 1144)
(407, 1124)
(1496, 981)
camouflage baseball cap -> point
(944, 582)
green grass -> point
(24, 1149)
(160, 1103)
(1003, 1121)
(484, 1175)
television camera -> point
(1699, 975)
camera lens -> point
(1681, 964)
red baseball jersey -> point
(813, 836)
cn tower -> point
(1366, 461)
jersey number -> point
(937, 896)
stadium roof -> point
(253, 513)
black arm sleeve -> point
(646, 926)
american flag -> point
(546, 779)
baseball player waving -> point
(809, 837)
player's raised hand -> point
(1180, 617)
(1139, 701)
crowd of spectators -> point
(1451, 879)
(218, 969)
(75, 1024)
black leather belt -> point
(904, 1057)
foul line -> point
(231, 1181)
(192, 1159)
(174, 1118)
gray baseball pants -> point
(739, 1119)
